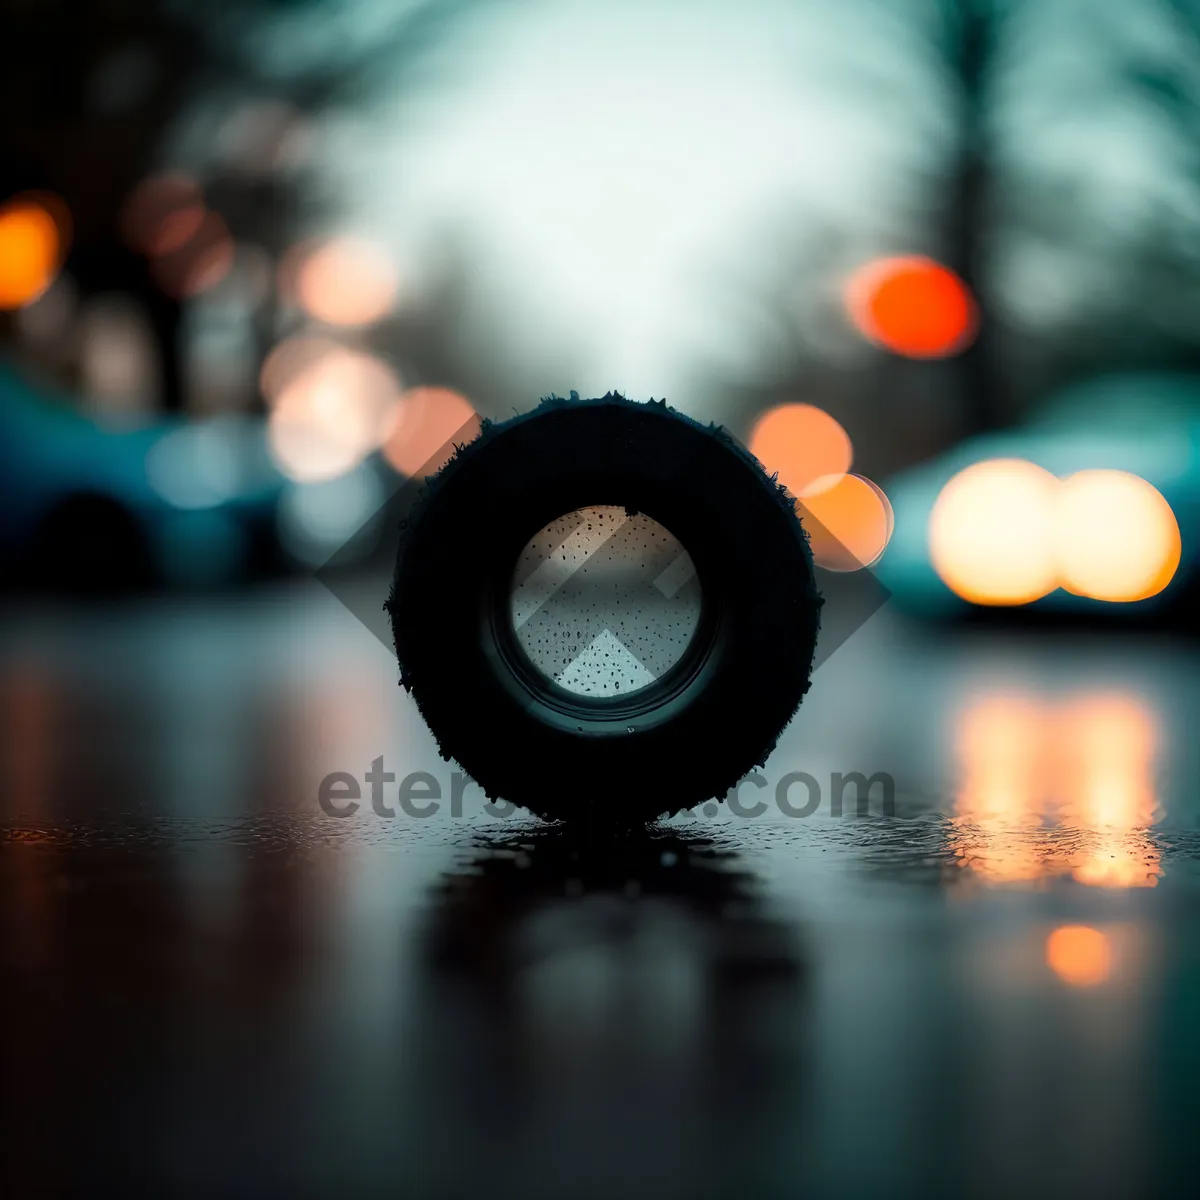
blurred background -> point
(937, 262)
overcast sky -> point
(612, 166)
(622, 176)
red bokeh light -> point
(912, 306)
(163, 213)
(200, 262)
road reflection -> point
(1058, 787)
(635, 1016)
(205, 977)
(1109, 748)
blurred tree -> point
(1121, 226)
(91, 92)
(969, 193)
(86, 92)
(897, 410)
(1129, 55)
(1067, 199)
(1163, 267)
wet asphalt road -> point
(210, 985)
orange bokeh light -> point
(1107, 746)
(32, 238)
(1054, 789)
(800, 443)
(849, 521)
(991, 532)
(426, 419)
(1118, 539)
(997, 824)
(1079, 955)
(912, 306)
(343, 281)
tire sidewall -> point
(759, 611)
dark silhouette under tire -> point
(695, 729)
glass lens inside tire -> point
(604, 603)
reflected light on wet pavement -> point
(1058, 788)
(206, 976)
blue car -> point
(91, 506)
(1146, 425)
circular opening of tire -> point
(604, 609)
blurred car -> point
(1099, 434)
(91, 506)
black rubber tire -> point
(686, 738)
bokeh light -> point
(1079, 955)
(1107, 746)
(315, 520)
(344, 281)
(911, 306)
(163, 213)
(428, 418)
(800, 443)
(291, 358)
(853, 521)
(1005, 531)
(118, 358)
(33, 234)
(1057, 788)
(1118, 539)
(201, 262)
(887, 506)
(196, 465)
(331, 414)
(47, 321)
(992, 532)
(997, 827)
